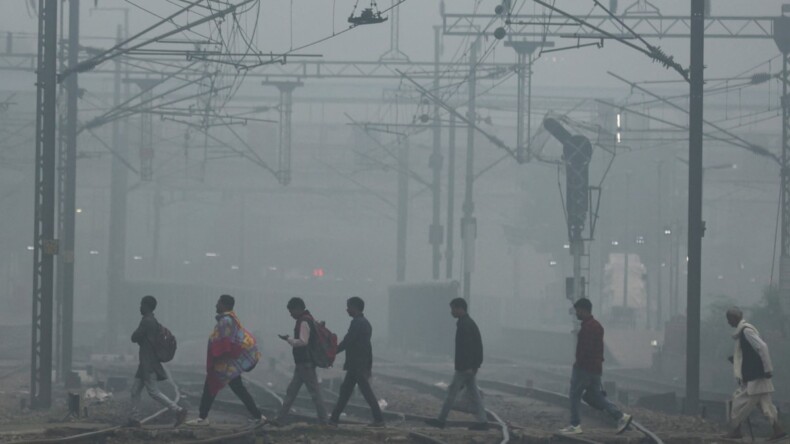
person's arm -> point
(477, 343)
(586, 346)
(304, 336)
(138, 334)
(146, 330)
(760, 347)
(353, 334)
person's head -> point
(458, 307)
(147, 305)
(225, 303)
(583, 308)
(734, 316)
(296, 307)
(355, 306)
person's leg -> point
(769, 410)
(363, 380)
(346, 389)
(205, 401)
(452, 393)
(152, 387)
(310, 378)
(596, 399)
(575, 394)
(241, 392)
(742, 407)
(470, 382)
(291, 393)
(136, 391)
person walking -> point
(304, 367)
(231, 351)
(358, 365)
(753, 370)
(587, 370)
(150, 369)
(468, 359)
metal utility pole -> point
(44, 244)
(435, 234)
(450, 199)
(394, 53)
(524, 52)
(468, 221)
(695, 222)
(286, 89)
(403, 208)
(627, 240)
(67, 174)
(116, 265)
(782, 38)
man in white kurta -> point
(753, 371)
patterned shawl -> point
(231, 351)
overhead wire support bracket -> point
(654, 52)
(493, 139)
(119, 49)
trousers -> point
(587, 386)
(238, 389)
(304, 374)
(361, 378)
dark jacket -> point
(589, 347)
(356, 344)
(302, 354)
(144, 336)
(468, 345)
(752, 367)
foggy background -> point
(221, 224)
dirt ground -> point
(532, 421)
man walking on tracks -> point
(753, 371)
(150, 369)
(468, 359)
(359, 363)
(587, 370)
(304, 367)
(231, 351)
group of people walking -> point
(232, 350)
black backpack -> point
(164, 344)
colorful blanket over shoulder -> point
(231, 351)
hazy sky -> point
(283, 24)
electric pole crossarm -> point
(647, 26)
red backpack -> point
(324, 348)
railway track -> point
(410, 425)
(510, 389)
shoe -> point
(198, 422)
(481, 426)
(623, 423)
(274, 422)
(256, 421)
(572, 430)
(181, 416)
(433, 422)
(377, 424)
